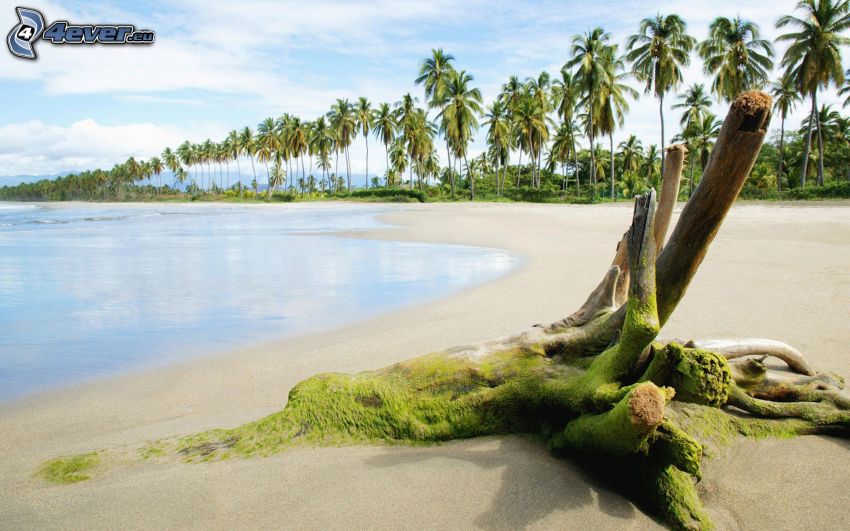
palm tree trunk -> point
(451, 171)
(254, 171)
(661, 113)
(367, 159)
(564, 170)
(469, 176)
(387, 177)
(575, 169)
(808, 147)
(781, 153)
(269, 180)
(348, 167)
(820, 151)
(239, 171)
(505, 170)
(691, 179)
(303, 175)
(611, 143)
(519, 168)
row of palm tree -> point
(541, 120)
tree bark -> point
(781, 153)
(611, 143)
(808, 147)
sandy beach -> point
(775, 271)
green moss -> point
(431, 398)
(700, 376)
(69, 469)
(675, 497)
(611, 432)
(153, 450)
(717, 429)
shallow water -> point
(94, 290)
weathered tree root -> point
(596, 384)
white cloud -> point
(38, 148)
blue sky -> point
(218, 66)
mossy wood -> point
(596, 384)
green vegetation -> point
(69, 469)
(533, 127)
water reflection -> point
(91, 290)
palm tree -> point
(344, 124)
(277, 176)
(433, 73)
(180, 176)
(207, 152)
(267, 144)
(538, 90)
(695, 103)
(658, 52)
(186, 155)
(826, 120)
(384, 123)
(156, 167)
(321, 143)
(563, 144)
(296, 140)
(588, 52)
(233, 152)
(398, 158)
(170, 158)
(530, 129)
(566, 93)
(363, 111)
(700, 136)
(841, 135)
(736, 56)
(613, 105)
(631, 154)
(459, 116)
(813, 57)
(649, 166)
(404, 111)
(785, 97)
(498, 135)
(248, 148)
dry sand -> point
(778, 271)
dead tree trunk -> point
(597, 383)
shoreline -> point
(778, 266)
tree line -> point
(534, 128)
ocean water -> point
(91, 290)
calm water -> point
(94, 290)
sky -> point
(218, 66)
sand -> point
(775, 270)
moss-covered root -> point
(623, 430)
(698, 376)
(671, 493)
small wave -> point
(17, 207)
